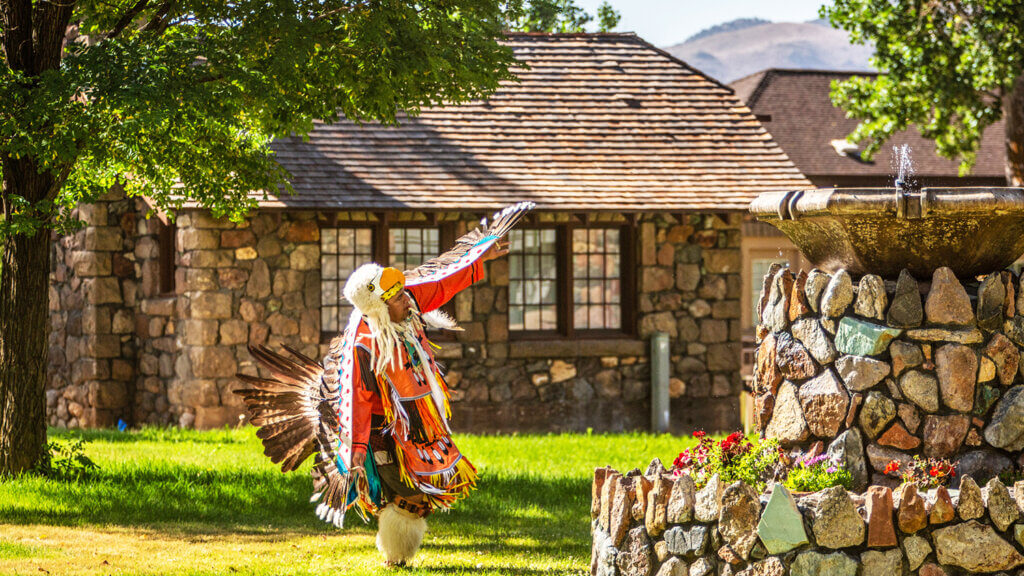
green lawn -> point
(188, 503)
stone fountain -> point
(904, 340)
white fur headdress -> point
(368, 289)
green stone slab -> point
(863, 338)
(781, 528)
(986, 396)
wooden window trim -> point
(166, 251)
(564, 302)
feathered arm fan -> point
(467, 250)
(296, 411)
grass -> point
(178, 502)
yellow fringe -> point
(403, 471)
(432, 424)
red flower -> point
(683, 460)
(700, 434)
(892, 466)
(934, 471)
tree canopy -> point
(563, 16)
(181, 99)
(950, 68)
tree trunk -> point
(24, 297)
(1013, 108)
(31, 34)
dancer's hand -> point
(358, 460)
(497, 250)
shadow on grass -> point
(150, 434)
(508, 512)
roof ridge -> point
(516, 33)
(810, 71)
(769, 74)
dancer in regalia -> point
(375, 415)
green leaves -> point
(562, 16)
(946, 68)
(182, 104)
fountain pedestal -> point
(882, 371)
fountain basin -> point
(885, 230)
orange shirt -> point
(366, 401)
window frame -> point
(327, 335)
(380, 248)
(565, 305)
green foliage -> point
(66, 461)
(818, 476)
(755, 466)
(181, 100)
(926, 473)
(946, 69)
(563, 16)
(756, 463)
(607, 17)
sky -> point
(667, 22)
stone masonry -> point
(659, 524)
(889, 370)
(92, 297)
(149, 357)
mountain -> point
(735, 49)
(730, 26)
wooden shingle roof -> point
(595, 122)
(804, 122)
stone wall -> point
(91, 375)
(258, 282)
(893, 369)
(252, 283)
(156, 321)
(657, 524)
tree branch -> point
(127, 18)
(158, 23)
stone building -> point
(641, 168)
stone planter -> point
(656, 524)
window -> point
(571, 279)
(596, 279)
(533, 280)
(410, 247)
(342, 250)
